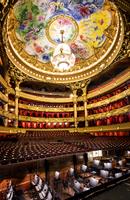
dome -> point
(93, 35)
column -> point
(16, 111)
(6, 111)
(75, 108)
(85, 106)
(84, 89)
(85, 113)
(16, 105)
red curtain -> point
(24, 124)
(29, 124)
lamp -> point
(57, 175)
(63, 58)
(84, 168)
(71, 170)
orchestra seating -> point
(40, 145)
(52, 135)
(8, 137)
(20, 152)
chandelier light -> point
(63, 59)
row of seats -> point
(10, 137)
(24, 150)
(104, 143)
(114, 133)
(110, 94)
(122, 118)
(115, 105)
(49, 135)
(34, 113)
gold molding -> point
(81, 119)
(81, 108)
(110, 100)
(3, 97)
(8, 130)
(3, 82)
(114, 112)
(40, 119)
(85, 71)
(44, 99)
(53, 20)
(46, 109)
(11, 91)
(6, 114)
(106, 101)
(11, 103)
(66, 100)
(114, 127)
(115, 82)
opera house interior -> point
(64, 99)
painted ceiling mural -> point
(40, 22)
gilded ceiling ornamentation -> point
(91, 28)
(38, 26)
(125, 50)
(16, 75)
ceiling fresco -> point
(91, 28)
(40, 22)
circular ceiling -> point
(93, 29)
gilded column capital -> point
(84, 89)
(6, 93)
(17, 90)
(75, 101)
(9, 90)
(84, 92)
(79, 85)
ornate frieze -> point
(101, 57)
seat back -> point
(117, 175)
(84, 168)
(93, 182)
(108, 165)
(77, 184)
(49, 196)
(104, 173)
(96, 162)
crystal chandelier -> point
(63, 59)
